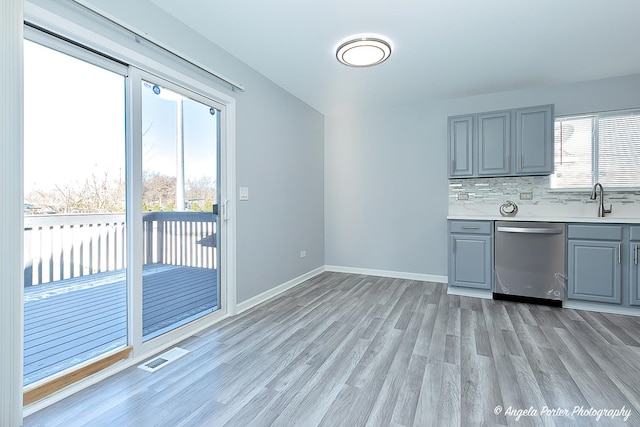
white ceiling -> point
(441, 48)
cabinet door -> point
(534, 141)
(460, 146)
(634, 276)
(494, 139)
(470, 262)
(595, 270)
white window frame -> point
(594, 150)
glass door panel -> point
(75, 299)
(179, 204)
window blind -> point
(573, 153)
(619, 150)
(594, 148)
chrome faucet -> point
(601, 209)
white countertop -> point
(594, 220)
(621, 214)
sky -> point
(159, 122)
(74, 124)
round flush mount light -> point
(363, 51)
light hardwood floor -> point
(351, 350)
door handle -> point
(225, 210)
(619, 252)
(470, 227)
(531, 230)
(635, 255)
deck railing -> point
(58, 247)
(180, 238)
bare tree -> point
(158, 191)
(106, 194)
(201, 193)
(98, 194)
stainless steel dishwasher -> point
(530, 262)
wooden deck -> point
(73, 320)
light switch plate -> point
(463, 196)
(526, 196)
(244, 193)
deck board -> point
(73, 320)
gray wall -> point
(279, 157)
(384, 177)
(386, 180)
(386, 190)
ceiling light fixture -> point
(363, 51)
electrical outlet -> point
(303, 254)
(463, 196)
(526, 196)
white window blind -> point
(594, 148)
(573, 153)
(619, 150)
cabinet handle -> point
(470, 227)
(619, 252)
(506, 160)
(453, 169)
(520, 162)
(635, 255)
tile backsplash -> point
(487, 193)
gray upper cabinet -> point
(534, 141)
(461, 146)
(494, 140)
(502, 143)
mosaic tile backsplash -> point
(492, 192)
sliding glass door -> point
(122, 238)
(75, 305)
(180, 146)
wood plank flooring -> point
(352, 350)
(73, 320)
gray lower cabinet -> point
(595, 273)
(471, 254)
(595, 263)
(634, 270)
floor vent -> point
(163, 360)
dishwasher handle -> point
(530, 230)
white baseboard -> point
(601, 308)
(258, 299)
(387, 273)
(466, 292)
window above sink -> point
(599, 147)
